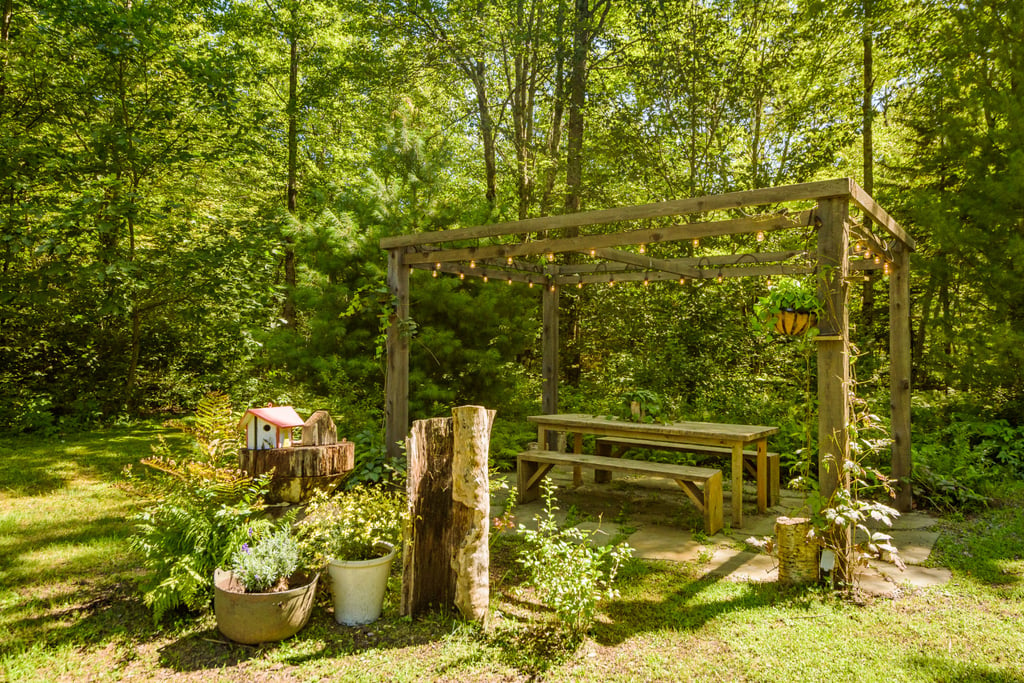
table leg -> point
(737, 485)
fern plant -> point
(194, 529)
(214, 430)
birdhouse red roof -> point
(284, 417)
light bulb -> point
(510, 260)
(472, 264)
(462, 276)
(551, 257)
(696, 242)
(642, 249)
(760, 235)
(531, 284)
(886, 269)
(485, 278)
(434, 272)
(593, 252)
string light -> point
(611, 281)
(769, 281)
(593, 252)
(867, 254)
(720, 277)
(462, 276)
(878, 259)
(858, 247)
(437, 266)
(531, 283)
(696, 242)
(682, 280)
(510, 260)
(643, 249)
(646, 281)
(551, 257)
(760, 235)
(510, 280)
(552, 287)
(886, 269)
(472, 264)
(434, 273)
(579, 285)
(485, 278)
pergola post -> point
(899, 374)
(834, 363)
(549, 356)
(833, 343)
(396, 382)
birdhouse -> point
(269, 427)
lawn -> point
(70, 610)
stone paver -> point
(667, 543)
(739, 565)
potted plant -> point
(264, 597)
(791, 307)
(355, 536)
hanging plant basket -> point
(794, 323)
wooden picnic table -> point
(735, 437)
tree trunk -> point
(5, 38)
(868, 116)
(478, 74)
(288, 313)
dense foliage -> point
(192, 194)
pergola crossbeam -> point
(587, 243)
(838, 187)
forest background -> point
(192, 194)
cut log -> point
(798, 553)
(299, 471)
(446, 559)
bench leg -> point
(713, 505)
(528, 477)
(603, 476)
(577, 471)
(773, 481)
(763, 488)
(737, 485)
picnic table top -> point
(670, 431)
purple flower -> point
(245, 548)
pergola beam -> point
(676, 207)
(587, 243)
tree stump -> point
(446, 562)
(798, 554)
(299, 471)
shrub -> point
(568, 573)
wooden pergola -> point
(505, 252)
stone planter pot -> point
(358, 588)
(252, 618)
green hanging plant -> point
(790, 307)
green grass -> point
(69, 607)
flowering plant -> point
(353, 525)
(264, 564)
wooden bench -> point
(612, 446)
(703, 486)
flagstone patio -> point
(660, 523)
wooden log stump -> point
(798, 554)
(299, 471)
(319, 430)
(446, 558)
